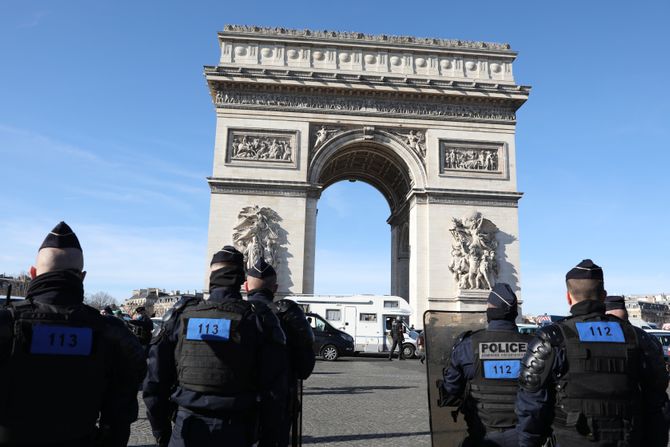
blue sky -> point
(105, 122)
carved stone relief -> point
(361, 104)
(476, 159)
(257, 235)
(416, 141)
(473, 252)
(261, 146)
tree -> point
(100, 300)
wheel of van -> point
(329, 352)
(408, 351)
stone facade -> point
(430, 123)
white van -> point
(367, 318)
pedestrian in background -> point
(398, 337)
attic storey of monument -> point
(430, 123)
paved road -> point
(361, 401)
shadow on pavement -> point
(311, 391)
(319, 439)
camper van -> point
(367, 318)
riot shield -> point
(441, 331)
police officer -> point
(615, 305)
(398, 336)
(261, 286)
(141, 325)
(483, 371)
(219, 364)
(63, 366)
(590, 377)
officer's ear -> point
(567, 294)
(33, 272)
(246, 286)
(274, 288)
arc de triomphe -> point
(430, 123)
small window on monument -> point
(333, 315)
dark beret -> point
(585, 270)
(61, 236)
(615, 302)
(228, 254)
(261, 269)
(502, 296)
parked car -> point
(525, 328)
(664, 338)
(329, 343)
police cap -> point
(228, 254)
(615, 302)
(261, 270)
(502, 296)
(61, 236)
(585, 270)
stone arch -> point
(371, 155)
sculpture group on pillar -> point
(257, 235)
(473, 253)
(245, 147)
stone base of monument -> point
(466, 300)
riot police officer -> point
(398, 336)
(63, 366)
(483, 371)
(261, 286)
(141, 325)
(220, 364)
(590, 378)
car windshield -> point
(664, 339)
(316, 323)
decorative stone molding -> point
(469, 198)
(473, 263)
(250, 147)
(473, 159)
(262, 188)
(353, 36)
(256, 235)
(302, 102)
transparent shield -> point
(442, 330)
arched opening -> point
(380, 161)
(353, 241)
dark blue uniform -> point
(546, 366)
(300, 351)
(64, 367)
(458, 378)
(214, 419)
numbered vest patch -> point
(208, 329)
(501, 369)
(601, 331)
(61, 340)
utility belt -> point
(243, 403)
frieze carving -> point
(381, 38)
(473, 252)
(471, 159)
(302, 102)
(257, 235)
(324, 134)
(261, 146)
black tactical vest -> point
(598, 400)
(55, 375)
(491, 394)
(217, 349)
